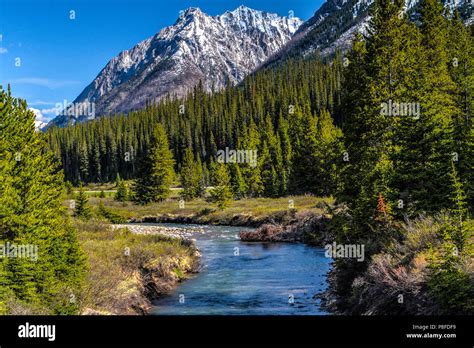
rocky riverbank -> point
(173, 232)
(307, 228)
(285, 226)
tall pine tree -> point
(156, 172)
(191, 176)
(31, 214)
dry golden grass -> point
(255, 207)
(123, 267)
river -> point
(239, 278)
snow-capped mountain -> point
(335, 23)
(216, 50)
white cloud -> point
(52, 84)
(41, 102)
(46, 114)
(40, 120)
(3, 50)
(39, 115)
(55, 111)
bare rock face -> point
(216, 50)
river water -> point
(239, 278)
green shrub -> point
(112, 217)
(453, 289)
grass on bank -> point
(110, 189)
(257, 208)
(125, 269)
(104, 194)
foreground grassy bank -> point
(126, 271)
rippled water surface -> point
(240, 278)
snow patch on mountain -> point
(216, 50)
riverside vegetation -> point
(402, 184)
(127, 271)
(82, 265)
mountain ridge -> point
(334, 24)
(216, 50)
(176, 58)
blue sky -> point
(48, 57)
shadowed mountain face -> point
(337, 21)
(216, 50)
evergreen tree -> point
(457, 229)
(156, 170)
(305, 145)
(424, 142)
(117, 180)
(221, 194)
(69, 187)
(379, 72)
(83, 164)
(238, 184)
(191, 176)
(286, 154)
(122, 191)
(31, 214)
(328, 156)
(251, 172)
(82, 209)
(461, 67)
(268, 173)
(447, 283)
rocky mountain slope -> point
(222, 50)
(336, 21)
(216, 50)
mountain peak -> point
(243, 12)
(192, 10)
(216, 50)
(243, 8)
(190, 14)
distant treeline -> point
(277, 112)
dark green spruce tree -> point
(379, 72)
(423, 141)
(32, 215)
(122, 191)
(221, 194)
(461, 67)
(191, 176)
(156, 174)
(82, 209)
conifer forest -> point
(364, 152)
